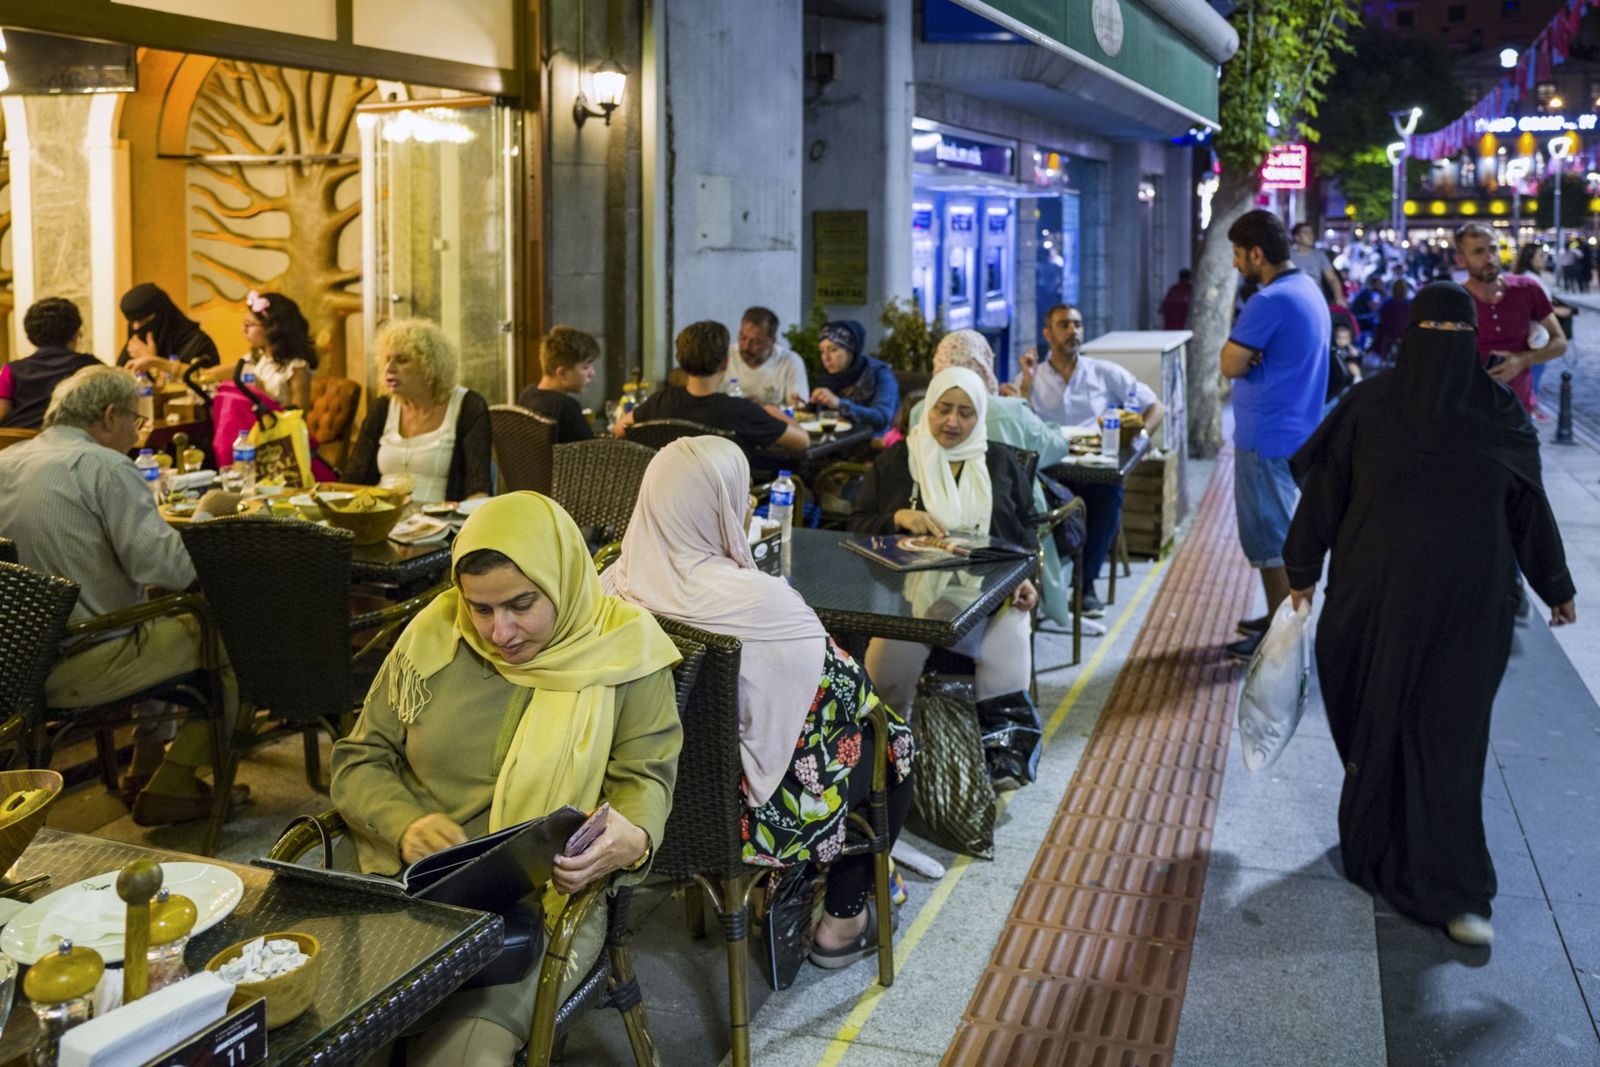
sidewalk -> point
(1293, 965)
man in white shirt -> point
(76, 506)
(767, 372)
(1074, 390)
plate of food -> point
(818, 425)
(90, 914)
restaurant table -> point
(854, 596)
(387, 959)
(408, 568)
(1071, 470)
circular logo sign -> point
(1107, 18)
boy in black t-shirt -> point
(566, 360)
(702, 349)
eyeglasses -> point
(140, 423)
(1440, 324)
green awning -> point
(1150, 54)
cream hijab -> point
(964, 505)
(686, 556)
(562, 743)
(969, 349)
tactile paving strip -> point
(1091, 969)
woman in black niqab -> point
(1424, 483)
(153, 317)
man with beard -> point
(1508, 307)
(1277, 356)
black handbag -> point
(953, 797)
(783, 923)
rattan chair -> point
(597, 483)
(702, 841)
(659, 433)
(610, 983)
(34, 608)
(293, 651)
(523, 444)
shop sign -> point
(1285, 167)
(1536, 123)
(838, 257)
(961, 153)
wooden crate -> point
(1150, 506)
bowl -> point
(287, 995)
(370, 527)
(21, 818)
(308, 507)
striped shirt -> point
(80, 510)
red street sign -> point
(1285, 167)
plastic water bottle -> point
(150, 471)
(780, 509)
(1111, 434)
(146, 392)
(244, 462)
(733, 387)
(1132, 404)
(249, 374)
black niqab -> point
(169, 329)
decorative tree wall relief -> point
(284, 226)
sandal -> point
(865, 944)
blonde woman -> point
(425, 425)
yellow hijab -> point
(562, 743)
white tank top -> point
(426, 457)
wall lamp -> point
(609, 82)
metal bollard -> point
(1564, 414)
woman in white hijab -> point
(803, 702)
(946, 477)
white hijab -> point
(964, 505)
(686, 556)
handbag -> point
(953, 798)
(784, 920)
(1012, 734)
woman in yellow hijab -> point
(521, 689)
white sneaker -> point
(1470, 930)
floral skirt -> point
(804, 819)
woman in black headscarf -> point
(158, 332)
(860, 388)
(1425, 484)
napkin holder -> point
(767, 549)
(238, 1038)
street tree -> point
(1287, 50)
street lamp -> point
(1560, 149)
(1405, 124)
(1516, 171)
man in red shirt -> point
(1509, 305)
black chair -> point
(702, 842)
(293, 652)
(597, 483)
(34, 608)
(659, 433)
(523, 447)
(610, 983)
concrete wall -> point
(731, 140)
(858, 149)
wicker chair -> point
(659, 433)
(702, 841)
(292, 652)
(611, 983)
(597, 483)
(34, 608)
(523, 444)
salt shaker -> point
(61, 988)
(172, 919)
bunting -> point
(1549, 50)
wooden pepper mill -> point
(172, 919)
(136, 885)
(61, 988)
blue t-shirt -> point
(1279, 403)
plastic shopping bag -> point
(1273, 696)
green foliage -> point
(1287, 51)
(911, 339)
(802, 339)
(1385, 72)
(1574, 203)
(1368, 183)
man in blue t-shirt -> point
(1277, 356)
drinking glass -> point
(232, 480)
(8, 986)
(829, 422)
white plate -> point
(467, 507)
(216, 891)
(815, 426)
(9, 909)
(1073, 432)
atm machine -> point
(924, 259)
(995, 297)
(959, 255)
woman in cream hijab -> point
(520, 689)
(804, 732)
(947, 477)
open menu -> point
(921, 552)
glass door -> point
(438, 224)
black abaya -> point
(1428, 527)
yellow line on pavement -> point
(851, 1028)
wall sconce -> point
(609, 82)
